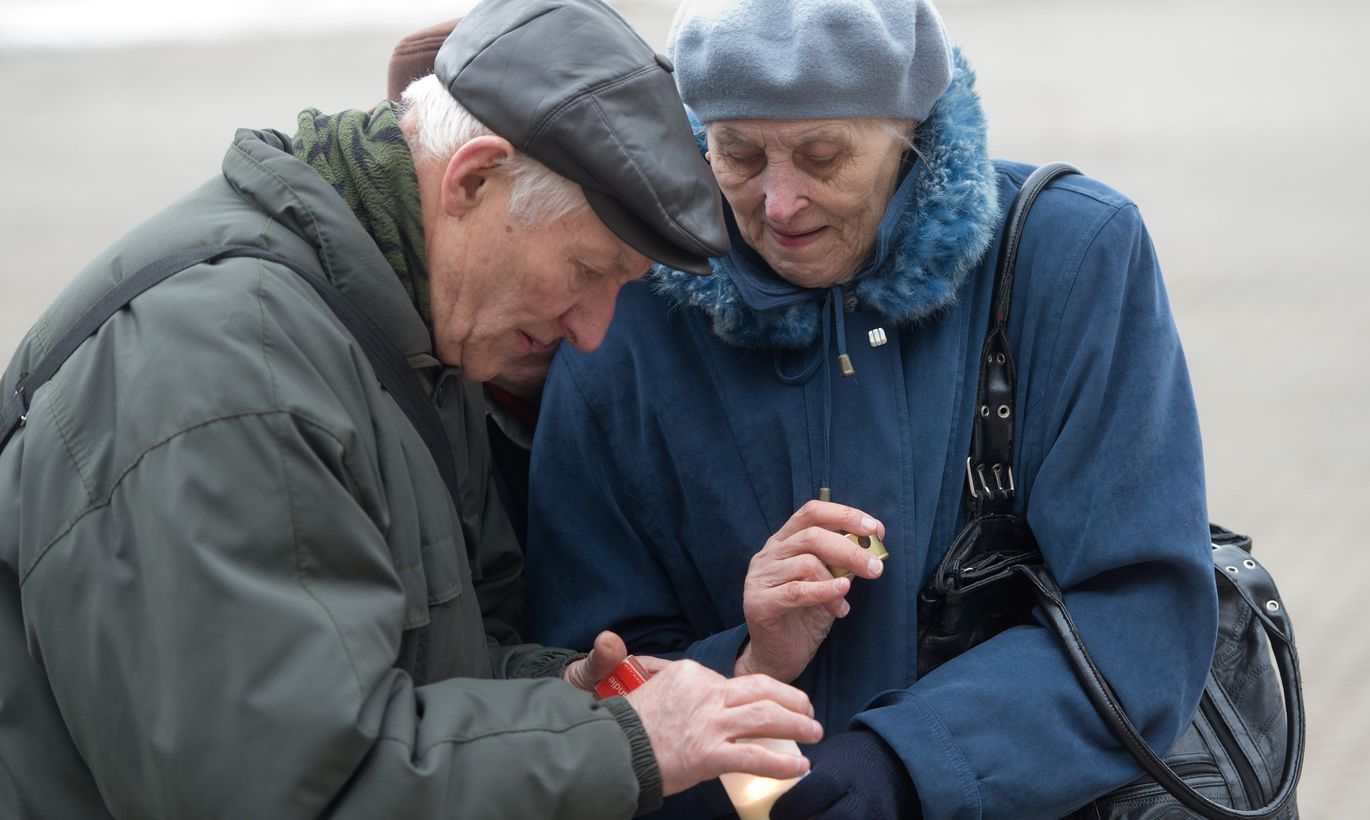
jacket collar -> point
(940, 222)
(262, 167)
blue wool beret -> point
(809, 59)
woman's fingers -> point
(829, 516)
(793, 595)
(833, 550)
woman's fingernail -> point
(868, 523)
(876, 566)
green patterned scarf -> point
(364, 157)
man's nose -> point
(585, 324)
(785, 194)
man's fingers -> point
(608, 652)
(765, 718)
(749, 688)
(653, 664)
(609, 646)
(754, 759)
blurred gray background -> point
(1238, 127)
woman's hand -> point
(790, 599)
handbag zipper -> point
(1185, 771)
(1250, 784)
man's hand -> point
(692, 716)
(607, 653)
(790, 598)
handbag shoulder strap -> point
(1254, 584)
(391, 368)
(992, 454)
(989, 468)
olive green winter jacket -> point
(232, 582)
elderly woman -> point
(834, 352)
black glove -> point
(854, 776)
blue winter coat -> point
(666, 459)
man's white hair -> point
(437, 125)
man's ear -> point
(465, 182)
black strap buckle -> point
(23, 397)
(1000, 471)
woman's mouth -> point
(793, 239)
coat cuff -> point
(551, 663)
(644, 760)
(719, 651)
(941, 774)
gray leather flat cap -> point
(572, 85)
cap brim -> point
(631, 229)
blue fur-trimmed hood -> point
(942, 235)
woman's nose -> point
(785, 196)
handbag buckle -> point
(1000, 471)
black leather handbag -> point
(1241, 755)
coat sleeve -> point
(591, 563)
(1118, 509)
(221, 633)
(592, 545)
(498, 570)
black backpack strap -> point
(392, 369)
(16, 409)
(989, 469)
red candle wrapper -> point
(626, 677)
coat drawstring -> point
(838, 304)
(834, 306)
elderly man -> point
(513, 395)
(236, 578)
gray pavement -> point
(1237, 126)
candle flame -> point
(761, 787)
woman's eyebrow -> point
(834, 135)
(727, 136)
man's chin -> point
(524, 375)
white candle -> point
(752, 795)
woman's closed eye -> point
(820, 161)
(744, 160)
